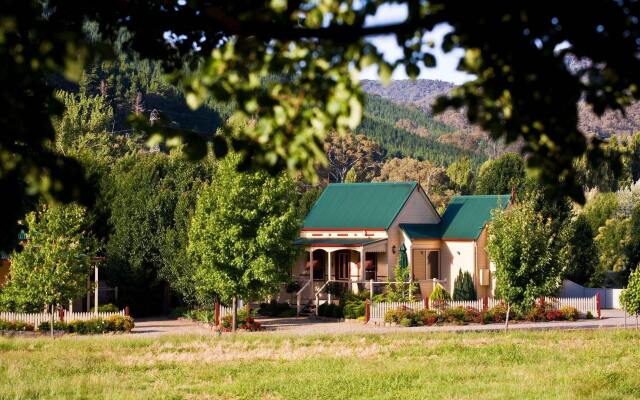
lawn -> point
(552, 364)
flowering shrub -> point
(15, 326)
(571, 313)
(115, 323)
(428, 317)
(245, 322)
(396, 315)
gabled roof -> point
(464, 218)
(359, 205)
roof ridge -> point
(373, 183)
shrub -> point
(106, 308)
(115, 323)
(275, 309)
(428, 317)
(245, 322)
(396, 315)
(589, 315)
(292, 287)
(463, 288)
(330, 310)
(16, 326)
(498, 312)
(354, 305)
(454, 315)
(406, 322)
(570, 313)
(334, 288)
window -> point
(319, 264)
(370, 266)
(433, 260)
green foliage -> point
(82, 114)
(524, 249)
(18, 326)
(502, 175)
(403, 290)
(461, 173)
(275, 309)
(630, 296)
(106, 308)
(463, 288)
(439, 294)
(115, 323)
(55, 261)
(611, 241)
(632, 246)
(599, 209)
(334, 311)
(242, 232)
(354, 305)
(150, 200)
(580, 254)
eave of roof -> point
(331, 242)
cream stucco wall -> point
(456, 256)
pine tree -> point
(463, 289)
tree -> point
(55, 261)
(523, 247)
(502, 175)
(461, 173)
(150, 199)
(632, 248)
(611, 241)
(353, 154)
(598, 210)
(433, 179)
(580, 254)
(463, 288)
(242, 232)
(630, 296)
(298, 63)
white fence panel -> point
(38, 318)
(582, 304)
(224, 311)
(477, 304)
(378, 310)
(609, 298)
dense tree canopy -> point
(242, 232)
(524, 88)
(502, 175)
(55, 261)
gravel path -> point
(310, 326)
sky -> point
(445, 63)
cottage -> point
(375, 222)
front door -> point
(419, 265)
(343, 259)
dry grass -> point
(553, 364)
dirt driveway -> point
(309, 326)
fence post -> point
(367, 311)
(126, 311)
(216, 314)
(371, 289)
(598, 303)
(61, 314)
(485, 303)
(426, 303)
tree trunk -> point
(234, 316)
(51, 321)
(506, 320)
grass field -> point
(552, 364)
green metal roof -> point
(335, 242)
(359, 205)
(464, 218)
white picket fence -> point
(38, 318)
(582, 304)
